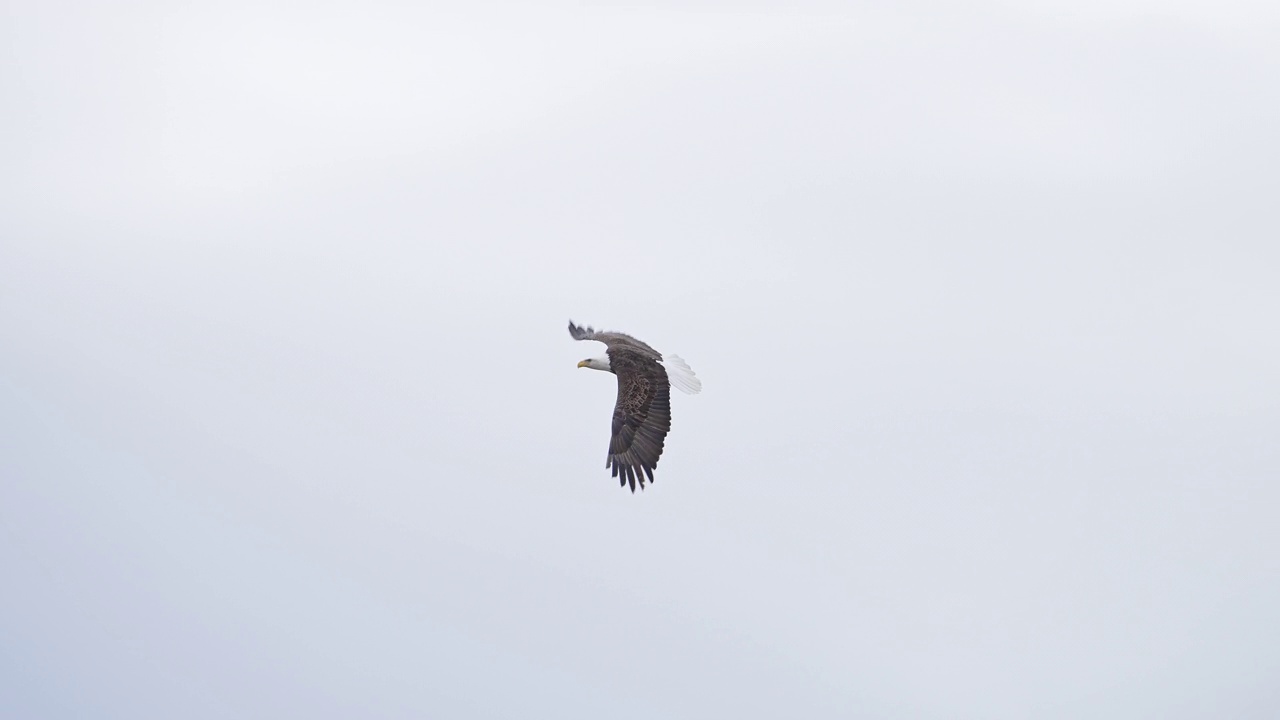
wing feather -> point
(641, 417)
(611, 339)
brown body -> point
(642, 414)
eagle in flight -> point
(642, 415)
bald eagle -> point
(642, 415)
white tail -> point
(681, 375)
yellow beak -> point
(582, 363)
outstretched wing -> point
(641, 418)
(611, 339)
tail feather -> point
(681, 375)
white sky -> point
(984, 301)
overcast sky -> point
(985, 301)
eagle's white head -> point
(600, 363)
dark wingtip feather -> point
(578, 332)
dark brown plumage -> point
(642, 414)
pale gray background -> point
(985, 303)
